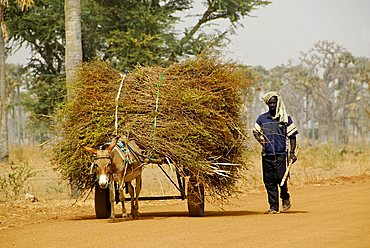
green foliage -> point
(14, 78)
(40, 99)
(233, 10)
(41, 28)
(134, 32)
(16, 181)
(123, 33)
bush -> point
(16, 181)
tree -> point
(124, 33)
(41, 29)
(4, 149)
(361, 111)
(326, 93)
(15, 76)
(194, 41)
(322, 62)
(73, 57)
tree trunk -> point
(19, 113)
(313, 127)
(11, 121)
(4, 148)
(73, 53)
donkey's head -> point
(103, 162)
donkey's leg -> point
(137, 193)
(111, 198)
(131, 192)
(122, 199)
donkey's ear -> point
(114, 143)
(124, 139)
(91, 150)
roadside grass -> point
(31, 171)
(316, 165)
(320, 164)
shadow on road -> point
(295, 212)
(169, 214)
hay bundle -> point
(188, 112)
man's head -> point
(276, 106)
(272, 104)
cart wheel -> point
(195, 198)
(102, 203)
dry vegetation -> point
(322, 165)
(189, 112)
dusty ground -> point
(330, 215)
(330, 211)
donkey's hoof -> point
(125, 217)
(111, 220)
(135, 215)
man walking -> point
(272, 130)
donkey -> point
(122, 166)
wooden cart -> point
(194, 194)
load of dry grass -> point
(189, 112)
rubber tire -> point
(102, 203)
(195, 198)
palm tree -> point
(73, 53)
(4, 149)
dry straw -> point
(189, 112)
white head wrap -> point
(280, 107)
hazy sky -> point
(285, 28)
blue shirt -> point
(274, 133)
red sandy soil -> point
(332, 214)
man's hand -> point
(259, 137)
(293, 157)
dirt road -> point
(321, 216)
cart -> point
(194, 194)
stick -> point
(117, 98)
(44, 143)
(288, 169)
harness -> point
(97, 158)
(123, 151)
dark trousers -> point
(274, 167)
